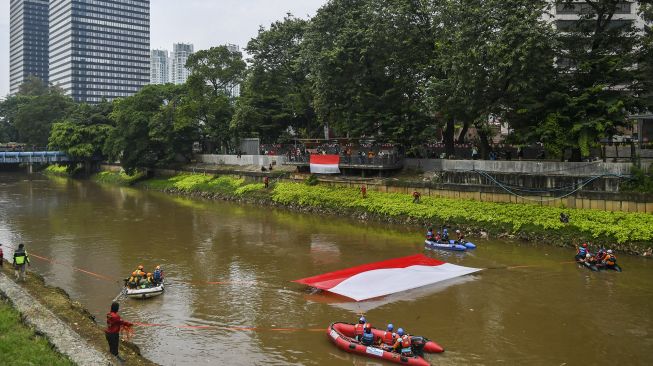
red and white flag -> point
(325, 164)
(383, 278)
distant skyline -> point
(204, 23)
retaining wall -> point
(243, 160)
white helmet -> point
(609, 251)
(587, 255)
(457, 231)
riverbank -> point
(21, 345)
(625, 232)
(75, 316)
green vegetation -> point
(117, 178)
(620, 226)
(641, 181)
(19, 345)
(56, 169)
(404, 71)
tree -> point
(214, 73)
(83, 133)
(150, 132)
(597, 78)
(369, 60)
(492, 57)
(28, 115)
(276, 94)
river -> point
(230, 266)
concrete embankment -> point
(59, 334)
(65, 323)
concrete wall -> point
(243, 160)
(522, 167)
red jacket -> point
(114, 323)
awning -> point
(373, 280)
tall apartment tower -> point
(99, 49)
(566, 15)
(178, 71)
(233, 89)
(28, 53)
(159, 67)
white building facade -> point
(159, 67)
(178, 71)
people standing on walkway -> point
(21, 261)
(112, 333)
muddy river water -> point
(230, 267)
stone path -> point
(65, 340)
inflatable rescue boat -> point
(440, 245)
(341, 334)
(144, 293)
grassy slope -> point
(20, 346)
(622, 230)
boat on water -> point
(595, 267)
(441, 245)
(144, 293)
(341, 334)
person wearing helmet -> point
(132, 281)
(388, 337)
(367, 339)
(402, 344)
(460, 236)
(438, 237)
(158, 275)
(359, 328)
(600, 255)
(581, 252)
(429, 234)
(445, 234)
(610, 259)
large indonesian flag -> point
(325, 164)
(383, 278)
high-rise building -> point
(99, 49)
(178, 71)
(233, 89)
(566, 15)
(28, 50)
(159, 67)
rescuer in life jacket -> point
(402, 345)
(157, 276)
(429, 234)
(600, 255)
(389, 337)
(445, 234)
(359, 328)
(132, 282)
(460, 236)
(581, 252)
(610, 259)
(438, 237)
(367, 339)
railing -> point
(23, 157)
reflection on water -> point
(230, 268)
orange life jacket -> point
(388, 338)
(358, 329)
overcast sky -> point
(204, 23)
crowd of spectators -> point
(350, 153)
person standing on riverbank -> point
(114, 325)
(21, 261)
(2, 256)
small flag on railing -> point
(325, 164)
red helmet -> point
(584, 245)
(368, 326)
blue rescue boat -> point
(440, 245)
